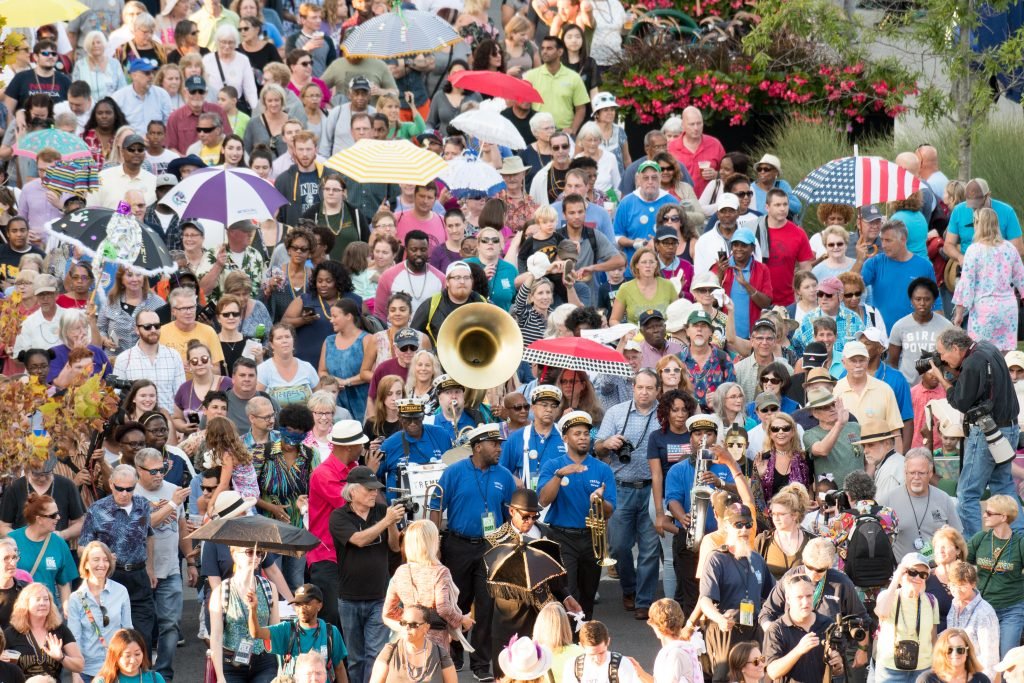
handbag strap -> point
(995, 562)
(220, 68)
(896, 620)
(39, 557)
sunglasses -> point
(825, 295)
(305, 63)
(559, 147)
(815, 570)
(765, 169)
(768, 409)
(47, 53)
(230, 314)
(757, 661)
(519, 406)
(205, 129)
(490, 240)
(956, 650)
(835, 245)
(744, 195)
(123, 489)
(106, 617)
(149, 327)
(411, 624)
(784, 428)
(853, 295)
(53, 515)
(673, 219)
(155, 471)
(252, 552)
(915, 574)
(298, 249)
(408, 349)
(667, 169)
(989, 513)
(743, 525)
(771, 380)
(199, 360)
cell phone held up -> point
(308, 312)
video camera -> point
(843, 630)
(118, 384)
(406, 501)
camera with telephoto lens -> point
(843, 630)
(625, 452)
(118, 384)
(924, 363)
(998, 446)
(411, 506)
(837, 499)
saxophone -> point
(700, 499)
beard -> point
(741, 547)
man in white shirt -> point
(140, 100)
(129, 175)
(40, 330)
(597, 661)
(149, 359)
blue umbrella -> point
(400, 33)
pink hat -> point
(831, 285)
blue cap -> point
(745, 236)
(142, 64)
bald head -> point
(693, 124)
(928, 158)
(908, 161)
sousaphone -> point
(480, 345)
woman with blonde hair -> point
(532, 308)
(99, 607)
(170, 78)
(990, 284)
(648, 289)
(102, 72)
(783, 547)
(673, 375)
(39, 633)
(423, 580)
(553, 631)
(521, 53)
(782, 461)
(834, 238)
(423, 369)
(954, 660)
(192, 65)
(948, 548)
(227, 66)
(997, 552)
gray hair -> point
(589, 130)
(311, 661)
(955, 336)
(275, 89)
(92, 36)
(225, 32)
(539, 120)
(673, 125)
(182, 293)
(144, 20)
(557, 317)
(321, 399)
(346, 491)
(859, 486)
(69, 320)
(916, 453)
(210, 116)
(820, 552)
(10, 543)
(145, 454)
(124, 471)
(898, 227)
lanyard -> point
(896, 619)
(647, 426)
(527, 434)
(924, 517)
(486, 486)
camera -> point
(844, 628)
(625, 453)
(924, 363)
(118, 384)
(981, 416)
(411, 506)
(837, 499)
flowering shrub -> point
(700, 8)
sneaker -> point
(483, 676)
(459, 663)
(181, 642)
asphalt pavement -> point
(629, 636)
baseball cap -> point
(646, 165)
(854, 349)
(876, 335)
(407, 337)
(603, 100)
(665, 232)
(914, 560)
(738, 513)
(745, 236)
(359, 83)
(195, 84)
(650, 314)
(871, 213)
(831, 285)
(364, 476)
(142, 64)
(815, 354)
(457, 265)
(166, 179)
(764, 323)
(765, 399)
(45, 283)
(305, 594)
(133, 139)
(727, 200)
(1015, 358)
(700, 316)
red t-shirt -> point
(710, 150)
(787, 246)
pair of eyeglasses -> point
(853, 295)
(835, 245)
(674, 218)
(956, 650)
(123, 489)
(558, 148)
(184, 309)
(757, 661)
(490, 240)
(133, 445)
(668, 169)
(771, 380)
(768, 409)
(743, 525)
(765, 169)
(230, 314)
(149, 327)
(519, 406)
(52, 515)
(673, 370)
(199, 360)
(154, 472)
(815, 570)
(411, 624)
(783, 429)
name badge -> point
(244, 652)
(487, 520)
(746, 613)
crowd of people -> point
(809, 472)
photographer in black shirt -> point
(979, 385)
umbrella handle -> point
(447, 68)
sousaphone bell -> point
(480, 345)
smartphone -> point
(193, 418)
(308, 311)
(721, 255)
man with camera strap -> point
(622, 443)
(796, 646)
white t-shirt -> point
(675, 664)
(296, 390)
(598, 673)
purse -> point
(906, 652)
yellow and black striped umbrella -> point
(387, 161)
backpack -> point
(613, 667)
(293, 641)
(869, 558)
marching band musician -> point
(679, 485)
(477, 491)
(529, 448)
(568, 484)
(516, 611)
(452, 414)
(414, 443)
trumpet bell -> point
(480, 345)
(607, 562)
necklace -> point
(323, 307)
(52, 84)
(553, 183)
(423, 287)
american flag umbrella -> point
(387, 161)
(577, 353)
(857, 181)
(225, 195)
(400, 33)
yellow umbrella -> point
(21, 14)
(388, 161)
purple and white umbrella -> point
(225, 195)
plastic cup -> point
(10, 655)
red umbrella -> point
(577, 353)
(496, 84)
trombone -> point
(598, 525)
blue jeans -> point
(365, 635)
(1011, 622)
(979, 471)
(631, 525)
(294, 570)
(668, 579)
(884, 675)
(167, 602)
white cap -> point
(727, 200)
(876, 335)
(854, 349)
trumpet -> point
(598, 525)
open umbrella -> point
(257, 531)
(79, 176)
(488, 125)
(576, 353)
(496, 84)
(21, 14)
(67, 145)
(466, 176)
(400, 33)
(115, 237)
(857, 181)
(387, 161)
(225, 195)
(516, 569)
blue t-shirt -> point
(428, 448)
(539, 451)
(636, 218)
(741, 300)
(144, 677)
(572, 504)
(57, 565)
(961, 223)
(917, 231)
(667, 448)
(288, 637)
(890, 280)
(470, 493)
(680, 481)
